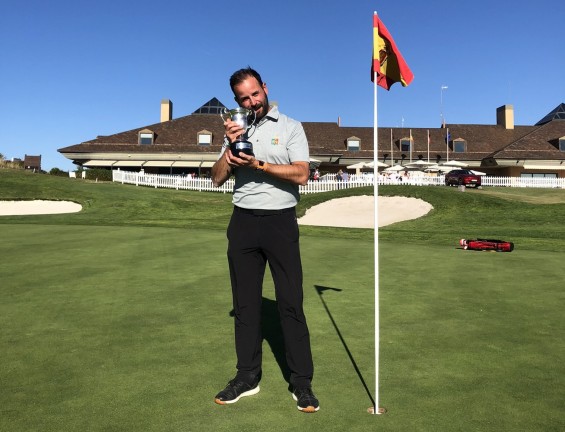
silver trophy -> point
(241, 117)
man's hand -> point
(233, 130)
(242, 161)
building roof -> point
(539, 143)
(330, 140)
(213, 106)
(557, 114)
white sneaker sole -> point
(251, 392)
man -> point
(345, 178)
(263, 228)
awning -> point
(164, 163)
(151, 163)
(128, 163)
(314, 163)
(96, 163)
(187, 164)
(544, 167)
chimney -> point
(505, 116)
(338, 121)
(166, 110)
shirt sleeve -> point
(298, 145)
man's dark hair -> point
(242, 74)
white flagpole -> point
(376, 409)
(376, 195)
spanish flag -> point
(387, 60)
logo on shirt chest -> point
(275, 140)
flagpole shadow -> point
(320, 290)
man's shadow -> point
(272, 333)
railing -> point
(326, 184)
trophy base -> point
(241, 147)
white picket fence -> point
(169, 181)
(525, 182)
(328, 183)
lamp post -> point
(443, 87)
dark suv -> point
(462, 177)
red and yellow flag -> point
(387, 60)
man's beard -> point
(263, 107)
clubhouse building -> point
(191, 144)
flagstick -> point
(404, 76)
(376, 409)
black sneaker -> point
(305, 400)
(234, 391)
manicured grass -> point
(118, 318)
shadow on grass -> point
(272, 333)
(320, 290)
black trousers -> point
(254, 240)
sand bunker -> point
(358, 211)
(37, 207)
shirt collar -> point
(273, 114)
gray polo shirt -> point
(277, 139)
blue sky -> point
(72, 70)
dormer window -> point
(204, 138)
(353, 144)
(562, 144)
(405, 144)
(459, 145)
(146, 137)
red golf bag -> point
(487, 244)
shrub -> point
(11, 165)
(58, 172)
(99, 174)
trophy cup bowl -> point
(241, 117)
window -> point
(353, 144)
(562, 144)
(204, 138)
(146, 137)
(405, 144)
(538, 175)
(459, 145)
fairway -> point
(111, 325)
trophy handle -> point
(254, 117)
(225, 111)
